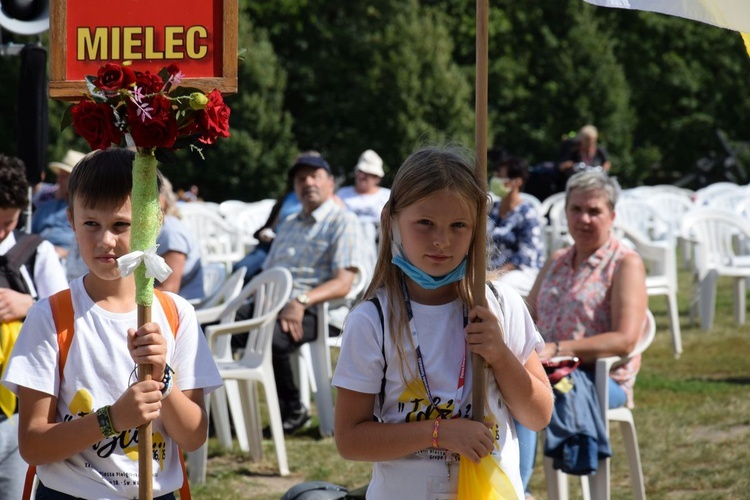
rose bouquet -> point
(147, 111)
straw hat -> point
(71, 158)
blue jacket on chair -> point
(576, 437)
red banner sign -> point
(199, 35)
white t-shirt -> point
(440, 330)
(367, 207)
(97, 371)
(49, 273)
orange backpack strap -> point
(173, 318)
(170, 310)
(61, 304)
(28, 484)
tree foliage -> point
(341, 77)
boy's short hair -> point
(14, 188)
(102, 179)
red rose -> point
(95, 122)
(148, 82)
(112, 77)
(173, 69)
(214, 120)
(159, 131)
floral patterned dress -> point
(576, 303)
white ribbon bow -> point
(156, 267)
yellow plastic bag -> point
(485, 480)
(8, 335)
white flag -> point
(730, 14)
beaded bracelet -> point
(105, 422)
(435, 429)
(167, 381)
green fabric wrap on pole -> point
(146, 220)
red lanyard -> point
(420, 359)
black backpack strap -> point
(22, 253)
(376, 302)
(494, 291)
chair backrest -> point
(270, 291)
(704, 195)
(214, 276)
(671, 207)
(228, 290)
(230, 208)
(717, 234)
(641, 216)
(549, 201)
(218, 239)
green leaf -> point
(67, 119)
(183, 91)
(186, 140)
(165, 155)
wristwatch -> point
(303, 299)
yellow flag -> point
(8, 335)
(746, 38)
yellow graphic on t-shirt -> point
(159, 447)
(81, 404)
(417, 406)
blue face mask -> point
(425, 280)
(421, 278)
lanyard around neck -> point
(420, 359)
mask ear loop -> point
(396, 248)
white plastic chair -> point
(211, 309)
(248, 220)
(718, 236)
(218, 239)
(642, 216)
(672, 207)
(598, 485)
(270, 291)
(661, 274)
(210, 312)
(230, 208)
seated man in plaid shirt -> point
(320, 247)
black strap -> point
(23, 252)
(494, 291)
(376, 302)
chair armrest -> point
(235, 327)
(601, 380)
(209, 314)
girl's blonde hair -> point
(425, 173)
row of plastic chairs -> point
(225, 231)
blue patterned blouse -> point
(517, 237)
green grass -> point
(692, 417)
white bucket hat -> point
(72, 157)
(370, 163)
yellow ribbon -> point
(746, 38)
(8, 335)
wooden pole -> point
(145, 223)
(145, 441)
(480, 144)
